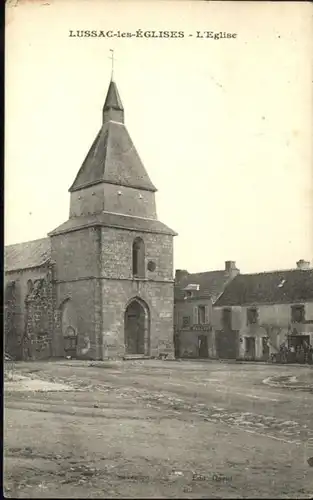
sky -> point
(223, 127)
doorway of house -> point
(136, 324)
(265, 348)
(227, 342)
(203, 346)
(177, 344)
(299, 347)
(250, 348)
(298, 340)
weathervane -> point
(112, 62)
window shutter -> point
(195, 315)
(178, 319)
(236, 318)
(216, 319)
(207, 319)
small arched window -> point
(9, 293)
(138, 258)
(29, 286)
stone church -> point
(101, 284)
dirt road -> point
(159, 429)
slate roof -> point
(108, 219)
(112, 157)
(278, 287)
(211, 284)
(27, 255)
(113, 99)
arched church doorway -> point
(137, 328)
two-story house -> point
(194, 296)
(258, 313)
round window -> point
(151, 265)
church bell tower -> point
(113, 257)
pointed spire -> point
(113, 107)
(113, 99)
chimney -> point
(180, 274)
(303, 264)
(230, 268)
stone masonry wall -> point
(158, 296)
(39, 325)
(76, 254)
(119, 287)
(113, 198)
(77, 267)
(100, 305)
(10, 338)
(16, 311)
(94, 271)
(83, 299)
(116, 255)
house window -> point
(201, 315)
(226, 318)
(188, 294)
(297, 314)
(138, 258)
(252, 316)
(186, 321)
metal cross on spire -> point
(112, 62)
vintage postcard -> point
(158, 294)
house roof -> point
(211, 284)
(113, 157)
(108, 219)
(278, 287)
(27, 255)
